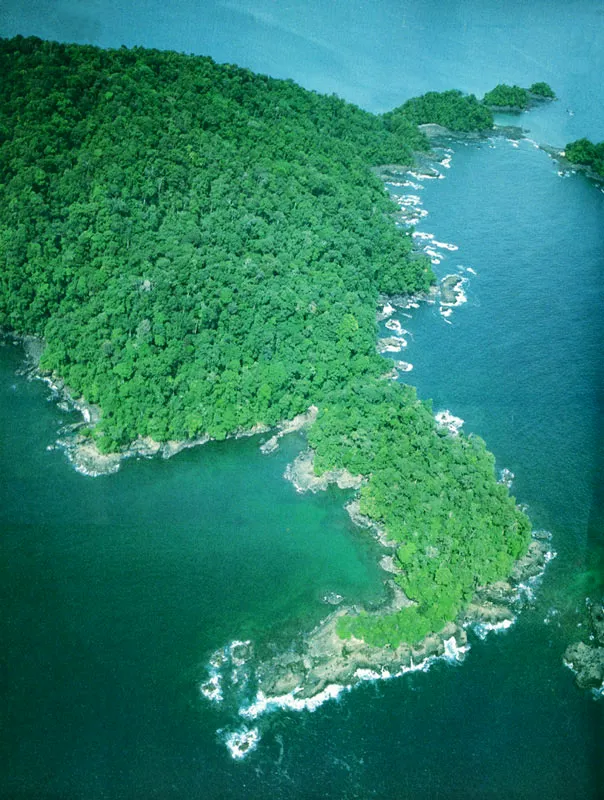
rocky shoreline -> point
(587, 660)
(323, 660)
(560, 157)
(434, 131)
(301, 472)
(83, 452)
(451, 290)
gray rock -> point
(587, 663)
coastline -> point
(82, 452)
(433, 131)
(320, 665)
(326, 659)
(559, 156)
(585, 660)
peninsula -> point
(201, 250)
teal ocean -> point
(117, 590)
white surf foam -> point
(262, 703)
(237, 651)
(409, 200)
(460, 297)
(395, 325)
(453, 653)
(387, 311)
(422, 177)
(394, 346)
(447, 420)
(506, 477)
(240, 743)
(482, 629)
(404, 366)
(445, 245)
(212, 688)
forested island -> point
(515, 98)
(202, 249)
(587, 154)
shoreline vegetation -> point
(584, 156)
(202, 251)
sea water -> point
(118, 591)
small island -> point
(586, 658)
(585, 155)
(514, 99)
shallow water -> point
(117, 590)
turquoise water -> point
(116, 590)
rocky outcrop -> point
(325, 660)
(298, 423)
(587, 660)
(449, 289)
(301, 472)
(494, 606)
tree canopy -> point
(434, 494)
(504, 95)
(187, 237)
(451, 109)
(587, 154)
(517, 97)
(542, 89)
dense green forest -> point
(451, 109)
(460, 112)
(504, 95)
(543, 90)
(189, 237)
(202, 249)
(586, 153)
(517, 97)
(433, 493)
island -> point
(199, 252)
(514, 99)
(585, 155)
(586, 658)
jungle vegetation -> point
(435, 495)
(202, 249)
(517, 97)
(451, 109)
(542, 89)
(587, 154)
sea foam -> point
(453, 653)
(482, 629)
(262, 703)
(445, 245)
(241, 742)
(447, 420)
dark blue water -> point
(116, 590)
